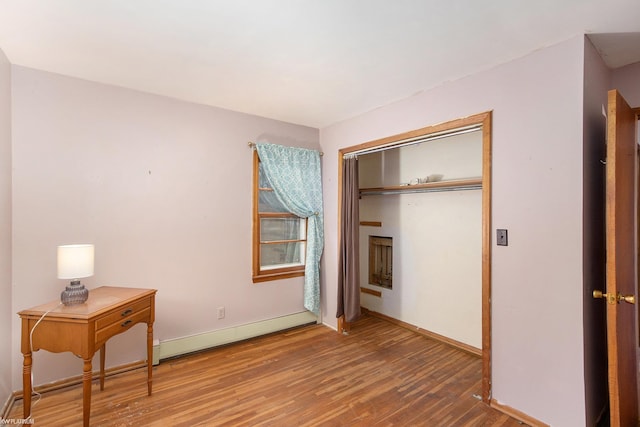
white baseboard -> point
(179, 346)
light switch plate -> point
(501, 237)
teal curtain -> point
(294, 174)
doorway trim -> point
(485, 121)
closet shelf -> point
(452, 185)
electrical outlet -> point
(220, 312)
(501, 237)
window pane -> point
(281, 255)
(281, 229)
(268, 202)
(263, 182)
(381, 261)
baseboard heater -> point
(193, 343)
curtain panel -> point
(294, 174)
(349, 258)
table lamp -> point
(75, 262)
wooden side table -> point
(83, 329)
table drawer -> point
(123, 313)
(121, 325)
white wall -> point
(6, 315)
(161, 187)
(537, 336)
(431, 232)
(625, 79)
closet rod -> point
(415, 140)
(253, 145)
(420, 190)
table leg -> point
(26, 385)
(149, 357)
(86, 391)
(102, 358)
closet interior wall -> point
(437, 237)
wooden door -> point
(621, 269)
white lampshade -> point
(75, 261)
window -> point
(279, 237)
(381, 261)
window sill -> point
(265, 277)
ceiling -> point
(310, 62)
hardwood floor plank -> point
(378, 375)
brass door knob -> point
(599, 294)
(631, 299)
(612, 299)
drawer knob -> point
(127, 312)
(125, 323)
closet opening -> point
(429, 192)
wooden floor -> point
(378, 375)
